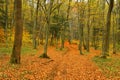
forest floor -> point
(62, 65)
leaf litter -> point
(70, 66)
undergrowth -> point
(110, 67)
(25, 50)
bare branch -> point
(56, 7)
(43, 8)
(107, 2)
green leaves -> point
(3, 15)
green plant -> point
(110, 66)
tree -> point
(6, 22)
(15, 56)
(114, 33)
(68, 20)
(63, 29)
(118, 21)
(48, 19)
(35, 25)
(66, 24)
(80, 26)
(88, 27)
(103, 37)
(105, 52)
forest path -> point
(63, 65)
(73, 66)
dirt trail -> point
(73, 66)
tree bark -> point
(114, 35)
(118, 21)
(80, 29)
(6, 23)
(35, 26)
(62, 37)
(88, 27)
(44, 55)
(103, 31)
(107, 30)
(68, 13)
(15, 57)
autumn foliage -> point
(2, 36)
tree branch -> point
(107, 2)
(56, 7)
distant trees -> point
(4, 17)
(57, 21)
(15, 56)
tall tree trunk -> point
(6, 22)
(114, 35)
(103, 25)
(107, 30)
(68, 13)
(15, 57)
(118, 21)
(58, 13)
(62, 37)
(88, 27)
(44, 55)
(35, 26)
(80, 29)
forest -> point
(59, 39)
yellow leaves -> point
(26, 37)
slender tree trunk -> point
(107, 30)
(103, 25)
(95, 38)
(80, 29)
(44, 55)
(6, 23)
(118, 21)
(35, 26)
(52, 38)
(88, 27)
(81, 39)
(33, 20)
(46, 39)
(68, 13)
(15, 57)
(62, 37)
(58, 12)
(114, 36)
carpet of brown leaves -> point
(63, 65)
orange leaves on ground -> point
(2, 36)
(70, 66)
